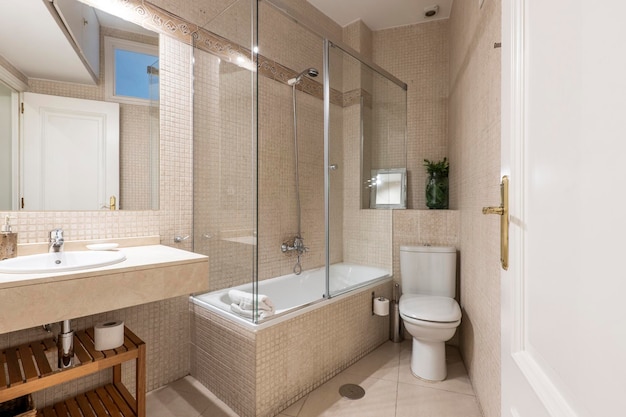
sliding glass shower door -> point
(366, 135)
(225, 146)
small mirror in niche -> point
(388, 188)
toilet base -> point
(428, 360)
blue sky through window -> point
(131, 75)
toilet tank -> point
(429, 270)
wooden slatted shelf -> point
(25, 369)
(104, 401)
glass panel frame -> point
(225, 96)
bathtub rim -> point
(284, 316)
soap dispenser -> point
(8, 241)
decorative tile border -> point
(352, 97)
(154, 18)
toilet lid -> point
(430, 308)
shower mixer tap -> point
(297, 245)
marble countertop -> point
(151, 272)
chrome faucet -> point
(297, 245)
(55, 244)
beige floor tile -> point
(391, 391)
(456, 380)
(185, 398)
(414, 400)
(168, 402)
(218, 409)
(294, 408)
(382, 363)
(191, 385)
(379, 399)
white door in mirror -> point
(70, 149)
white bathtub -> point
(297, 294)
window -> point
(132, 70)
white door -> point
(564, 148)
(70, 153)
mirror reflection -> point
(388, 188)
(66, 158)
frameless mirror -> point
(60, 53)
(388, 188)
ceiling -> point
(382, 14)
(33, 42)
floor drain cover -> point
(351, 391)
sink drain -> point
(351, 391)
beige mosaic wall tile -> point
(224, 169)
(418, 55)
(176, 192)
(236, 364)
(219, 127)
(423, 227)
(223, 358)
(163, 326)
(366, 233)
(303, 11)
(358, 36)
(34, 226)
(288, 43)
(474, 137)
(175, 215)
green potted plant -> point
(437, 183)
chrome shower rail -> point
(285, 7)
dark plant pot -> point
(437, 192)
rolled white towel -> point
(248, 313)
(245, 301)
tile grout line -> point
(303, 404)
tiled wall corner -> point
(474, 137)
(418, 55)
(223, 357)
(423, 227)
(176, 195)
(358, 36)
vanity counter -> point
(149, 273)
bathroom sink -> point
(60, 262)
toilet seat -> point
(429, 308)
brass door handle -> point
(493, 210)
(503, 212)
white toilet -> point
(427, 306)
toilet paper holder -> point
(378, 303)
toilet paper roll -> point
(381, 306)
(108, 335)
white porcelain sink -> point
(60, 262)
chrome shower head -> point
(311, 72)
